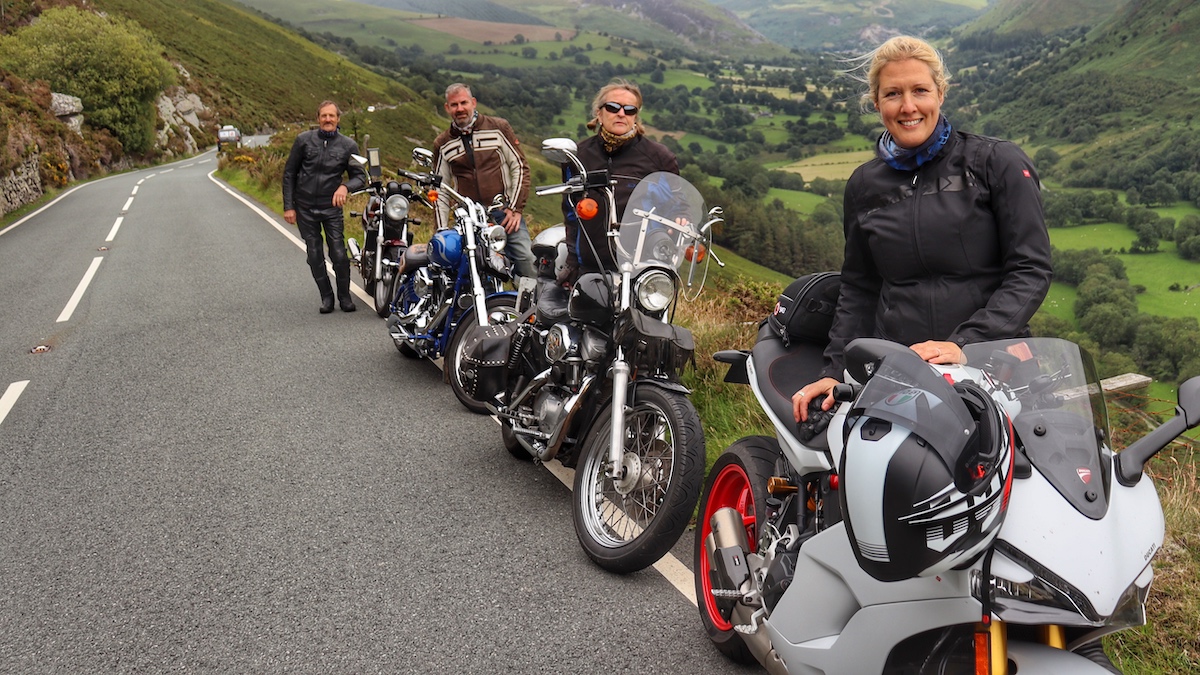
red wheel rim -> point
(731, 488)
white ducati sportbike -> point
(948, 519)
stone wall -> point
(21, 186)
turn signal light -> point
(695, 253)
(587, 208)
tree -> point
(114, 66)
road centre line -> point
(135, 189)
(117, 225)
(127, 203)
(80, 290)
(675, 572)
(9, 399)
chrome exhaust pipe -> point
(727, 546)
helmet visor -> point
(907, 392)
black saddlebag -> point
(804, 311)
(485, 360)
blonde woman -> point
(945, 239)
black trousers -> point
(311, 223)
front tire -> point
(738, 480)
(500, 309)
(382, 294)
(627, 525)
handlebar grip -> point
(845, 393)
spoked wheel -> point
(627, 524)
(500, 309)
(738, 480)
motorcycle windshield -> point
(661, 220)
(1062, 423)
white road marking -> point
(9, 399)
(79, 290)
(116, 226)
(354, 287)
(127, 203)
(135, 189)
(675, 572)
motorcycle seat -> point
(415, 257)
(552, 303)
(781, 371)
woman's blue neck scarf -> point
(909, 159)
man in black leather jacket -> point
(313, 197)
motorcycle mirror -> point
(559, 150)
(422, 156)
(1131, 461)
(375, 164)
(359, 159)
(1189, 401)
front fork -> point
(616, 439)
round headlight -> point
(396, 207)
(655, 290)
(494, 237)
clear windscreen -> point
(661, 221)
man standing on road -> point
(313, 197)
(482, 157)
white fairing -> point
(802, 458)
(1101, 558)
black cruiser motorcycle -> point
(385, 223)
(592, 377)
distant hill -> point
(479, 10)
(850, 26)
(1043, 16)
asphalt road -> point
(202, 473)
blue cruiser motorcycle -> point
(452, 283)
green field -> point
(832, 165)
(1155, 271)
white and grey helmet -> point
(926, 471)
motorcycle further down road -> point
(950, 519)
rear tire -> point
(627, 525)
(737, 480)
(500, 309)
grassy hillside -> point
(853, 26)
(1042, 16)
(252, 71)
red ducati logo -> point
(1085, 474)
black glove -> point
(566, 278)
(817, 422)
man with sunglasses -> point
(481, 157)
(621, 147)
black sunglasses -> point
(614, 108)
